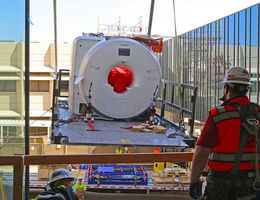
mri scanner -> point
(120, 77)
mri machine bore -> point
(120, 75)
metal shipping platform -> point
(76, 132)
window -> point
(7, 86)
(10, 131)
(38, 131)
(64, 86)
(7, 74)
(39, 86)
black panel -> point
(123, 52)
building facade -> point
(204, 54)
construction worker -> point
(60, 186)
(80, 188)
(233, 174)
(119, 150)
(2, 186)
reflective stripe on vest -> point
(228, 157)
(61, 186)
(225, 116)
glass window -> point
(222, 41)
(227, 63)
(12, 54)
(242, 46)
(213, 63)
(205, 66)
(221, 56)
(231, 37)
(7, 86)
(215, 47)
(39, 86)
(247, 36)
(192, 58)
(9, 131)
(64, 86)
(197, 57)
(7, 74)
(236, 40)
(254, 46)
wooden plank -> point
(10, 160)
(108, 158)
(18, 180)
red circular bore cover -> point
(120, 77)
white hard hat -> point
(61, 173)
(238, 75)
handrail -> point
(11, 160)
(107, 158)
(19, 161)
(170, 86)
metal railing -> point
(182, 100)
(20, 161)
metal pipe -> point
(228, 43)
(210, 59)
(245, 63)
(175, 24)
(55, 34)
(207, 64)
(194, 58)
(55, 65)
(238, 21)
(250, 29)
(215, 65)
(150, 18)
(203, 65)
(234, 40)
(257, 65)
(218, 56)
(189, 58)
(224, 47)
(27, 97)
(201, 89)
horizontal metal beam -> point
(20, 161)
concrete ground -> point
(126, 196)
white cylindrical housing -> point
(105, 56)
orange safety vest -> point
(228, 122)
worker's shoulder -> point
(230, 106)
(50, 195)
(217, 110)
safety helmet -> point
(238, 75)
(61, 173)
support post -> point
(150, 19)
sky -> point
(77, 16)
(12, 20)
